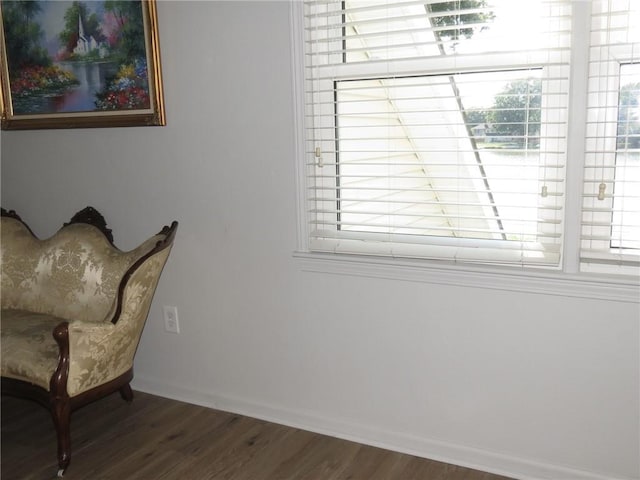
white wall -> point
(533, 385)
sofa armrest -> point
(100, 352)
(91, 354)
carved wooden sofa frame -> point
(81, 342)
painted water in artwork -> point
(71, 56)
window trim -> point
(532, 281)
(567, 281)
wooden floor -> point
(155, 438)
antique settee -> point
(73, 310)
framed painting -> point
(77, 64)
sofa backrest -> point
(75, 274)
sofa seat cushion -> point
(29, 351)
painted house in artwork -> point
(86, 43)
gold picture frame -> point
(80, 64)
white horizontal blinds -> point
(437, 129)
(611, 199)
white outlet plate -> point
(171, 324)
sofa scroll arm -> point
(58, 383)
(169, 233)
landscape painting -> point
(72, 64)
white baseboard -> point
(497, 463)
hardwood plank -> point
(155, 438)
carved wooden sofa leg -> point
(126, 393)
(61, 413)
(61, 407)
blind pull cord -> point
(545, 191)
(601, 188)
(318, 155)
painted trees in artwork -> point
(127, 28)
(23, 34)
(124, 31)
(30, 64)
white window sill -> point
(619, 289)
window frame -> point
(447, 241)
(619, 165)
(599, 259)
(565, 281)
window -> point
(625, 233)
(611, 200)
(438, 129)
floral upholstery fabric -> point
(73, 276)
(29, 351)
(102, 352)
